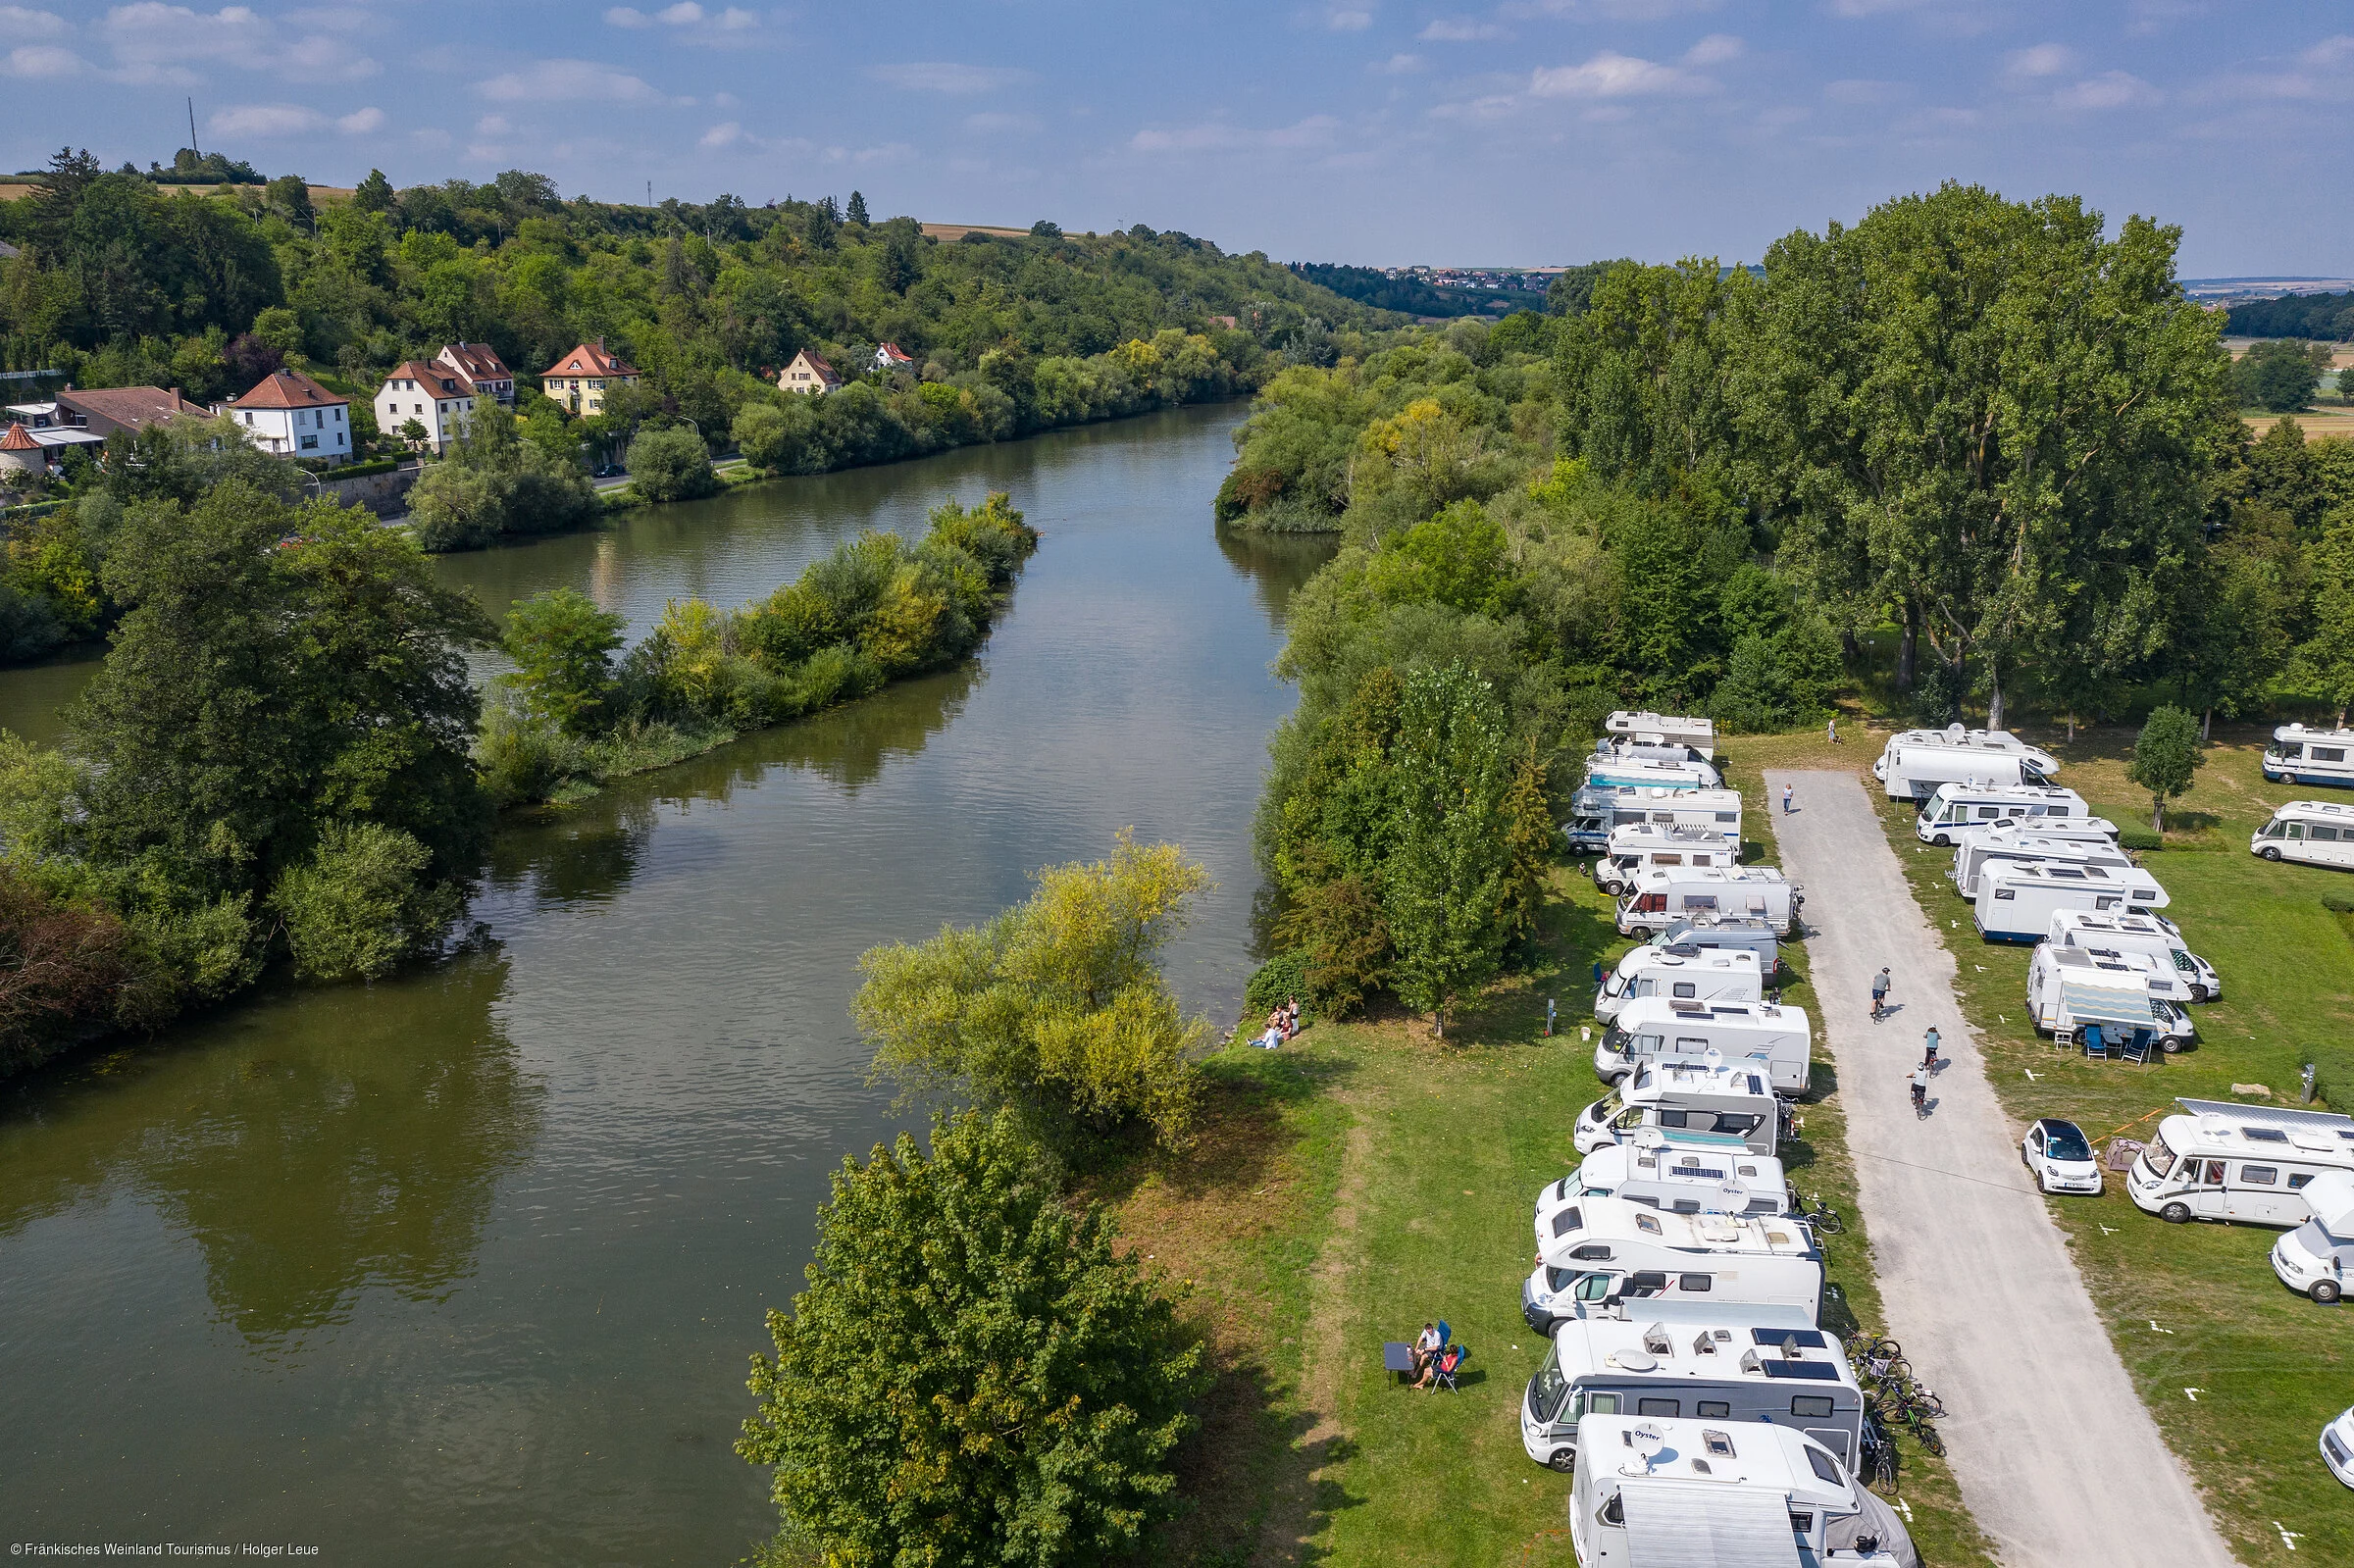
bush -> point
(2337, 903)
(672, 465)
(524, 759)
(2133, 836)
(359, 906)
(62, 965)
(1274, 982)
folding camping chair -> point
(2096, 1043)
(2136, 1049)
(1448, 1365)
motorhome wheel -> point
(1942, 841)
(2269, 852)
(2175, 1214)
(1562, 1459)
(2324, 1291)
(2198, 994)
(2288, 777)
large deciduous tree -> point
(1448, 881)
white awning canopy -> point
(1706, 1527)
(2105, 1004)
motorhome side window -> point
(1686, 987)
(1696, 1282)
(1673, 1119)
(1659, 1407)
(1811, 1406)
(1602, 1404)
(2005, 892)
(2258, 1175)
(2328, 753)
(1721, 1409)
(2299, 1180)
(2322, 832)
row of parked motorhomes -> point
(1688, 1383)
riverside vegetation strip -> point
(2272, 1367)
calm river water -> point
(464, 1268)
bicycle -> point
(1874, 1355)
(1821, 1215)
(1878, 1455)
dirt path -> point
(2055, 1454)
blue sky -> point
(1525, 131)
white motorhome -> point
(2312, 833)
(1685, 1172)
(1952, 807)
(1644, 1251)
(1663, 728)
(1609, 771)
(1915, 773)
(1956, 737)
(2299, 755)
(1597, 810)
(2069, 988)
(2016, 899)
(1727, 933)
(1654, 902)
(2313, 1258)
(1661, 1493)
(1684, 973)
(2225, 1161)
(1777, 1040)
(2027, 841)
(2154, 936)
(1639, 846)
(1756, 1365)
(1737, 1102)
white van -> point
(2016, 899)
(2154, 936)
(2313, 1258)
(1663, 728)
(1724, 933)
(1737, 1102)
(1685, 1172)
(1597, 809)
(2227, 1161)
(1607, 771)
(1639, 846)
(2313, 832)
(1659, 1493)
(1953, 806)
(1654, 902)
(1756, 1365)
(1683, 972)
(1777, 1040)
(1916, 762)
(2298, 755)
(1639, 1251)
(2069, 988)
(2026, 841)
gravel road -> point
(2055, 1454)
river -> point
(465, 1267)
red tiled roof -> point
(479, 361)
(19, 440)
(440, 380)
(895, 354)
(129, 406)
(818, 365)
(287, 388)
(589, 358)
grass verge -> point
(2196, 1306)
(1368, 1178)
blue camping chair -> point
(1445, 1333)
(1448, 1367)
(2096, 1043)
(2137, 1050)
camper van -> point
(1652, 1492)
(1735, 1101)
(2153, 936)
(1654, 901)
(1639, 846)
(1765, 1034)
(2298, 755)
(1724, 933)
(1955, 737)
(2027, 841)
(1916, 773)
(2016, 899)
(2223, 1161)
(1684, 973)
(1952, 807)
(1756, 1365)
(2069, 988)
(2313, 833)
(1683, 1173)
(2313, 1260)
(1663, 728)
(1634, 1250)
(1598, 809)
(1608, 771)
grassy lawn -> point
(1368, 1178)
(2270, 1367)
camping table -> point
(1397, 1356)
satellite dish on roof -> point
(1637, 1361)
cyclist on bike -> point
(1879, 993)
(1928, 1050)
(1920, 1091)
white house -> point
(809, 375)
(479, 363)
(892, 356)
(289, 415)
(436, 396)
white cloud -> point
(2111, 89)
(1216, 136)
(735, 20)
(18, 23)
(1460, 30)
(494, 125)
(264, 119)
(684, 14)
(628, 16)
(360, 122)
(1348, 20)
(1612, 75)
(1399, 65)
(567, 81)
(1713, 50)
(944, 76)
(2337, 51)
(157, 42)
(727, 134)
(43, 59)
(2043, 60)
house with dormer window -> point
(581, 378)
(437, 397)
(289, 415)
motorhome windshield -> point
(2158, 1156)
(1547, 1388)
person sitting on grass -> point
(1274, 1034)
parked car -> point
(2338, 1446)
(2059, 1156)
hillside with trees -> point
(2328, 317)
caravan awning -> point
(1706, 1527)
(2107, 1004)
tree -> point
(1058, 1006)
(562, 645)
(492, 483)
(2279, 374)
(2327, 659)
(361, 903)
(1446, 884)
(855, 213)
(413, 433)
(2165, 757)
(373, 194)
(671, 465)
(976, 1374)
(785, 438)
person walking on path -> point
(1830, 729)
(1879, 993)
(1787, 793)
(1929, 1051)
(1920, 1091)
